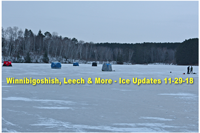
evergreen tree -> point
(187, 52)
(28, 58)
(166, 57)
(119, 59)
(19, 59)
(74, 40)
(45, 57)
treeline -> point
(25, 46)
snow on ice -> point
(98, 108)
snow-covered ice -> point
(53, 108)
(37, 100)
(99, 108)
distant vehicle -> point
(94, 64)
(75, 64)
(7, 63)
(56, 65)
(107, 67)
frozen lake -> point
(99, 108)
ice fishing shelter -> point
(7, 63)
(56, 65)
(106, 67)
(75, 64)
(94, 64)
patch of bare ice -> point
(6, 86)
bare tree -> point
(80, 48)
(130, 55)
(86, 50)
(48, 40)
(96, 53)
(116, 52)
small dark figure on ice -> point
(191, 70)
(188, 70)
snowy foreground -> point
(99, 108)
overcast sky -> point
(124, 22)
